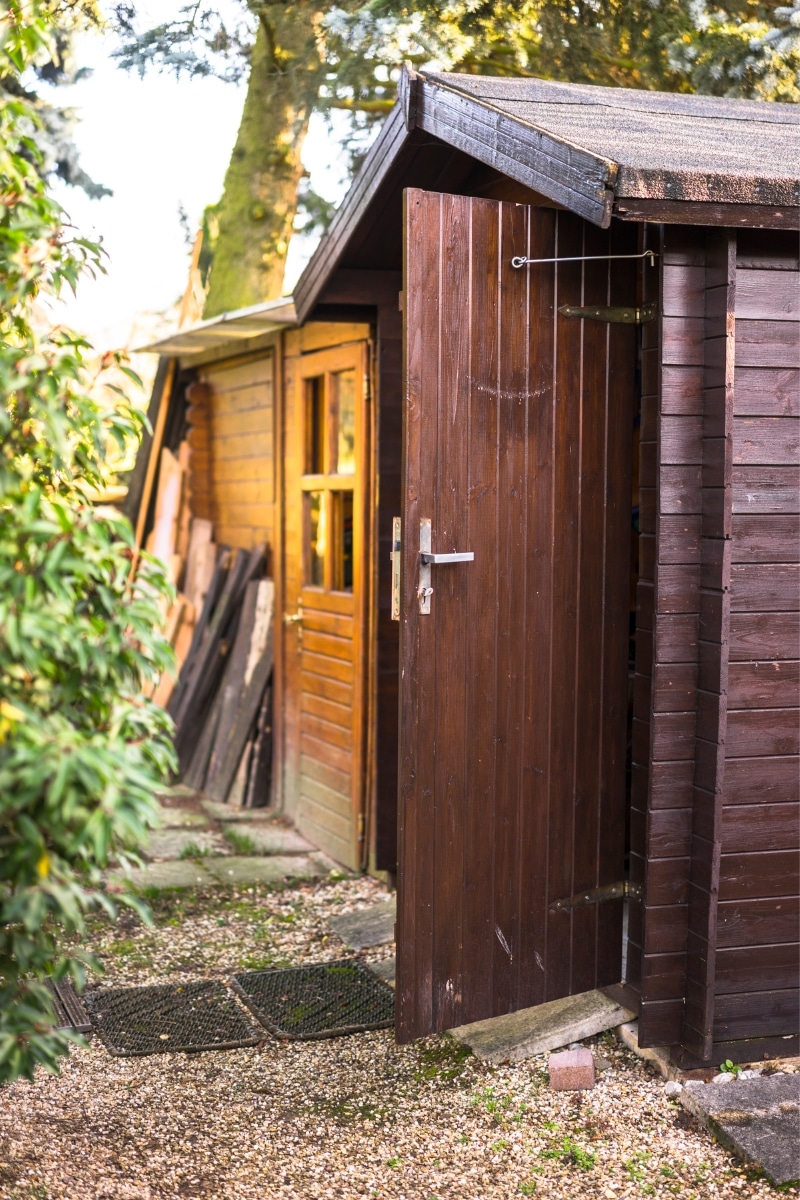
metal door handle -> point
(465, 556)
(293, 618)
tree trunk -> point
(259, 196)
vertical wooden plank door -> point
(518, 429)
(325, 590)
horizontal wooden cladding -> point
(246, 445)
(332, 778)
(666, 929)
(765, 489)
(669, 832)
(748, 969)
(761, 870)
(315, 600)
(254, 398)
(765, 587)
(331, 668)
(763, 295)
(773, 441)
(767, 343)
(678, 588)
(753, 732)
(682, 390)
(254, 372)
(682, 439)
(680, 489)
(758, 636)
(663, 976)
(317, 621)
(674, 687)
(244, 537)
(243, 516)
(757, 780)
(673, 736)
(333, 690)
(682, 341)
(320, 706)
(661, 1022)
(766, 391)
(756, 1014)
(766, 538)
(327, 732)
(226, 424)
(747, 828)
(679, 539)
(760, 922)
(323, 643)
(676, 638)
(333, 808)
(323, 752)
(764, 685)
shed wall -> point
(233, 462)
(758, 956)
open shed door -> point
(518, 429)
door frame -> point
(293, 421)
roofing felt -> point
(663, 144)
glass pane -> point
(315, 426)
(346, 440)
(343, 520)
(315, 539)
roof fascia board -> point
(704, 212)
(390, 141)
(561, 171)
(707, 187)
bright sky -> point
(160, 144)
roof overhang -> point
(227, 332)
(570, 175)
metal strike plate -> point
(467, 556)
(395, 557)
(424, 591)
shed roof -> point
(600, 152)
(229, 331)
(662, 145)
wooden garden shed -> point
(556, 330)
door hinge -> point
(611, 891)
(632, 315)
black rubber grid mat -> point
(155, 1020)
(319, 1001)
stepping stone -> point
(229, 812)
(755, 1118)
(373, 926)
(171, 843)
(182, 818)
(165, 875)
(276, 868)
(385, 970)
(520, 1035)
(269, 838)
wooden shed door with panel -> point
(324, 599)
(518, 432)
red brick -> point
(571, 1070)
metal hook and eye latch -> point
(427, 559)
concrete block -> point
(530, 1031)
(571, 1070)
(372, 926)
(758, 1119)
(271, 869)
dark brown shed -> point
(589, 708)
(542, 408)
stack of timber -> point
(222, 702)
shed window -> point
(330, 459)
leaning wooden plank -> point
(180, 642)
(197, 752)
(211, 655)
(246, 717)
(168, 503)
(239, 786)
(203, 620)
(260, 777)
(184, 522)
(233, 683)
(137, 500)
(198, 560)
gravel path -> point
(355, 1117)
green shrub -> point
(81, 752)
